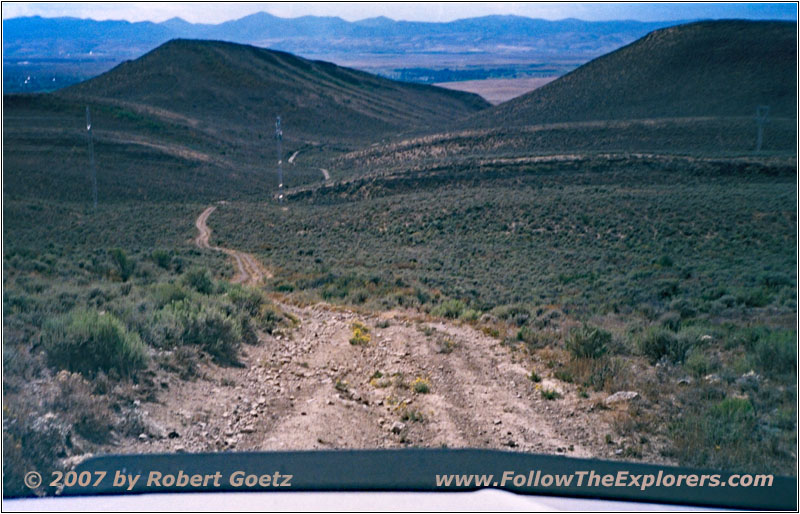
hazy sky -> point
(439, 11)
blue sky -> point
(439, 11)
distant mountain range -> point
(473, 48)
(37, 37)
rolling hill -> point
(203, 113)
(224, 83)
(719, 68)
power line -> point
(91, 157)
(762, 112)
(278, 141)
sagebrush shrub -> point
(201, 324)
(588, 342)
(125, 265)
(200, 280)
(449, 309)
(247, 299)
(165, 293)
(776, 352)
(87, 341)
(657, 343)
(162, 258)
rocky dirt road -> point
(310, 388)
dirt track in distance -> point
(248, 269)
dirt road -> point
(310, 388)
(248, 269)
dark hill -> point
(715, 68)
(195, 120)
(231, 85)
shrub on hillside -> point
(449, 309)
(361, 335)
(125, 265)
(162, 258)
(535, 339)
(200, 280)
(658, 343)
(776, 352)
(86, 341)
(725, 436)
(201, 324)
(247, 299)
(588, 342)
(165, 293)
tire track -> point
(248, 270)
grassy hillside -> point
(689, 90)
(719, 68)
(225, 84)
(194, 120)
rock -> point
(398, 427)
(248, 429)
(712, 378)
(749, 380)
(552, 385)
(684, 381)
(72, 462)
(619, 451)
(621, 396)
(152, 427)
(143, 437)
(706, 338)
(497, 421)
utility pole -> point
(91, 157)
(762, 112)
(278, 141)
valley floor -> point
(497, 91)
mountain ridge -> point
(242, 84)
(74, 36)
(709, 68)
